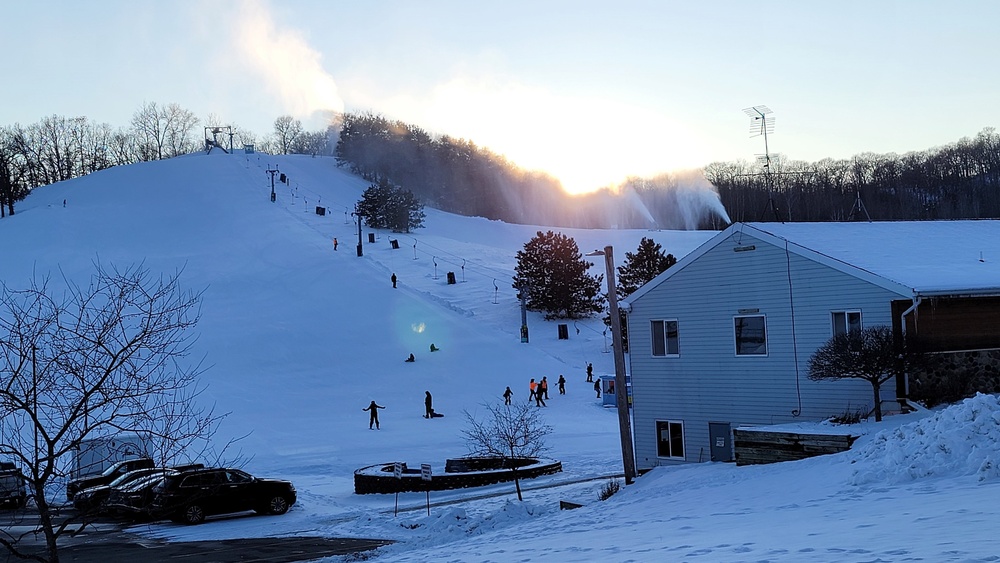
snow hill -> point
(299, 338)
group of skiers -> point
(539, 392)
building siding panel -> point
(708, 382)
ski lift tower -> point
(214, 141)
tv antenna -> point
(762, 123)
(859, 206)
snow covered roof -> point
(912, 258)
(927, 257)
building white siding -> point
(706, 381)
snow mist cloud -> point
(285, 63)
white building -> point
(724, 337)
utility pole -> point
(272, 173)
(522, 294)
(621, 388)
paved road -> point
(257, 550)
(105, 541)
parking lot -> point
(105, 540)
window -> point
(751, 335)
(845, 321)
(670, 439)
(664, 337)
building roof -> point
(913, 258)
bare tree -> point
(509, 432)
(287, 130)
(867, 354)
(163, 132)
(312, 142)
(12, 172)
(86, 362)
(147, 129)
(179, 125)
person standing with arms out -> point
(562, 384)
(507, 395)
(590, 372)
(544, 387)
(428, 401)
(533, 387)
(373, 417)
(393, 278)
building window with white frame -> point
(670, 439)
(751, 335)
(664, 336)
(845, 321)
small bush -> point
(612, 487)
(849, 416)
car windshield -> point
(132, 476)
(147, 481)
(111, 470)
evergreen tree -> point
(642, 266)
(639, 269)
(385, 206)
(405, 211)
(553, 276)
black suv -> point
(190, 496)
(94, 498)
(12, 491)
(109, 475)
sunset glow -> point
(586, 143)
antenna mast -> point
(762, 123)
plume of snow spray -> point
(285, 62)
(697, 199)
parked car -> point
(109, 475)
(134, 500)
(93, 498)
(190, 496)
(13, 493)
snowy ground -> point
(300, 338)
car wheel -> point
(277, 505)
(193, 514)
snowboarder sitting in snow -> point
(410, 359)
(434, 348)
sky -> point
(591, 92)
(298, 337)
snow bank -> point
(963, 439)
